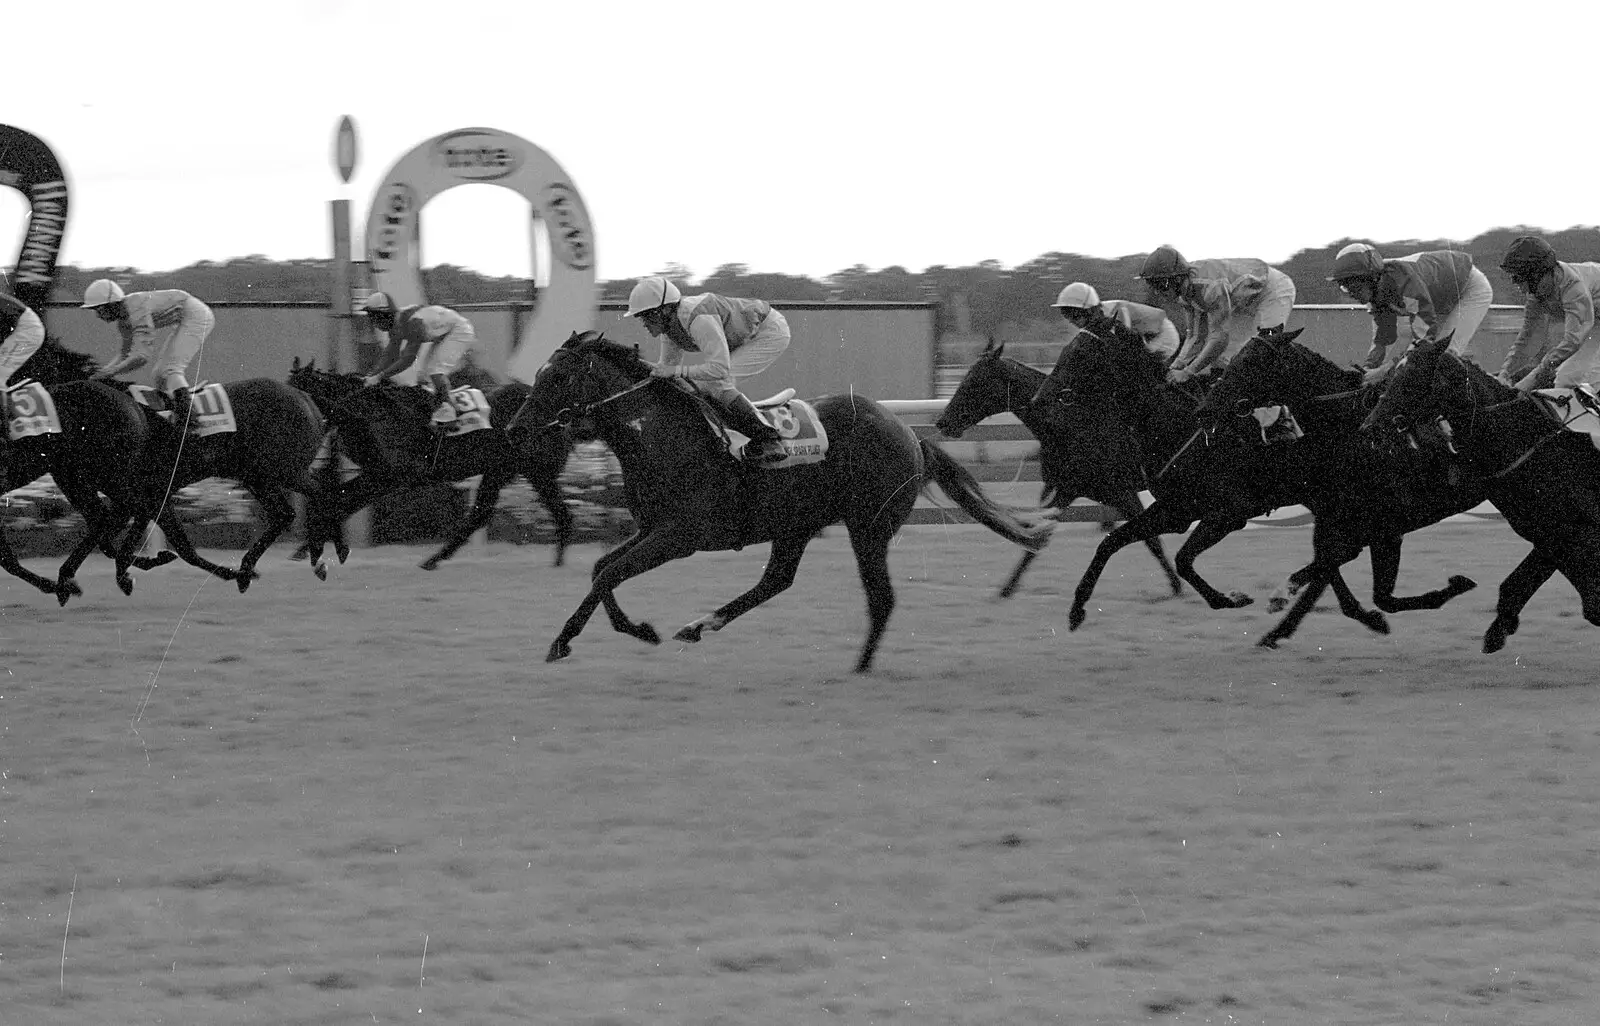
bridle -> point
(569, 415)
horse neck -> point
(1159, 419)
(1490, 426)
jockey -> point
(1440, 289)
(21, 333)
(1082, 307)
(410, 329)
(138, 316)
(1555, 288)
(1228, 301)
(738, 337)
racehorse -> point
(103, 432)
(373, 423)
(271, 452)
(1109, 380)
(1279, 394)
(687, 494)
(1079, 456)
(1543, 478)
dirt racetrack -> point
(371, 800)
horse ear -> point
(1288, 336)
(992, 349)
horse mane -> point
(620, 354)
(68, 364)
(1146, 360)
(1472, 372)
(1318, 361)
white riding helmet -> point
(100, 292)
(378, 303)
(1077, 296)
(651, 293)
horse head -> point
(1102, 368)
(326, 388)
(991, 385)
(1266, 371)
(1414, 399)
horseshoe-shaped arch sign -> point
(28, 166)
(487, 155)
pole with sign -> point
(340, 330)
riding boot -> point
(184, 419)
(766, 445)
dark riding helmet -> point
(1355, 261)
(1163, 263)
(1529, 258)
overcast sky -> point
(808, 137)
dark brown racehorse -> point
(103, 432)
(688, 495)
(272, 452)
(372, 421)
(1079, 456)
(1543, 478)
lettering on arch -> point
(486, 155)
(28, 166)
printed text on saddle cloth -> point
(30, 411)
(802, 434)
(472, 411)
(210, 409)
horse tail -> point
(940, 468)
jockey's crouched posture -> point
(738, 337)
(139, 316)
(410, 328)
(21, 334)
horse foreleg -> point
(1385, 555)
(1525, 579)
(1158, 518)
(1351, 606)
(778, 575)
(483, 507)
(12, 566)
(1010, 587)
(638, 555)
(1211, 530)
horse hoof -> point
(648, 635)
(689, 634)
(244, 578)
(1377, 622)
(301, 554)
(1267, 642)
(1460, 584)
(341, 550)
(66, 589)
(558, 650)
(1238, 600)
(125, 584)
(1075, 619)
(162, 558)
(321, 570)
(429, 564)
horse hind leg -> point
(778, 576)
(278, 511)
(872, 561)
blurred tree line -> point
(986, 299)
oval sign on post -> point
(490, 157)
(344, 149)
